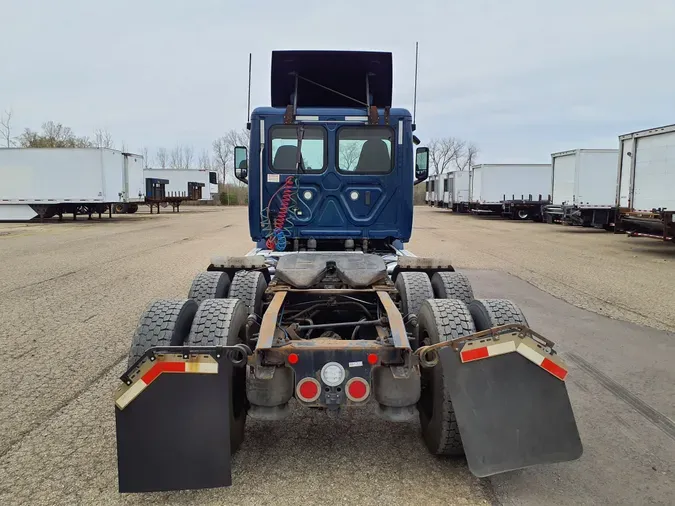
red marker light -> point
(372, 358)
(293, 358)
(308, 390)
(357, 389)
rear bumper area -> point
(333, 374)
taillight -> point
(308, 390)
(293, 358)
(358, 389)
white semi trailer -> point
(645, 183)
(38, 183)
(456, 188)
(583, 187)
(516, 191)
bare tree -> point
(442, 152)
(188, 155)
(205, 160)
(146, 158)
(176, 158)
(467, 157)
(103, 139)
(162, 158)
(6, 128)
(349, 154)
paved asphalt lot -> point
(71, 295)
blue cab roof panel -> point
(342, 71)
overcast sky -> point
(520, 78)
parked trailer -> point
(645, 196)
(456, 188)
(517, 191)
(197, 184)
(433, 187)
(38, 183)
(583, 187)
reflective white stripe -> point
(530, 354)
(501, 348)
(130, 394)
(400, 131)
(203, 367)
(307, 118)
(356, 118)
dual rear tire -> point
(215, 313)
(446, 320)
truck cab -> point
(328, 170)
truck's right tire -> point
(164, 323)
(249, 286)
(222, 322)
(413, 288)
(440, 320)
(452, 285)
(489, 313)
(209, 285)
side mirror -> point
(241, 163)
(421, 164)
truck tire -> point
(164, 323)
(209, 285)
(414, 288)
(222, 322)
(249, 286)
(132, 208)
(452, 285)
(440, 320)
(488, 313)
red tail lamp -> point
(372, 358)
(293, 358)
(308, 390)
(358, 389)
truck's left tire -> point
(249, 286)
(441, 320)
(164, 323)
(222, 322)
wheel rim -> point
(522, 214)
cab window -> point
(284, 148)
(365, 150)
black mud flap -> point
(173, 430)
(511, 413)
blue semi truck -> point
(329, 310)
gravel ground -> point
(72, 294)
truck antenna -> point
(248, 107)
(415, 93)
